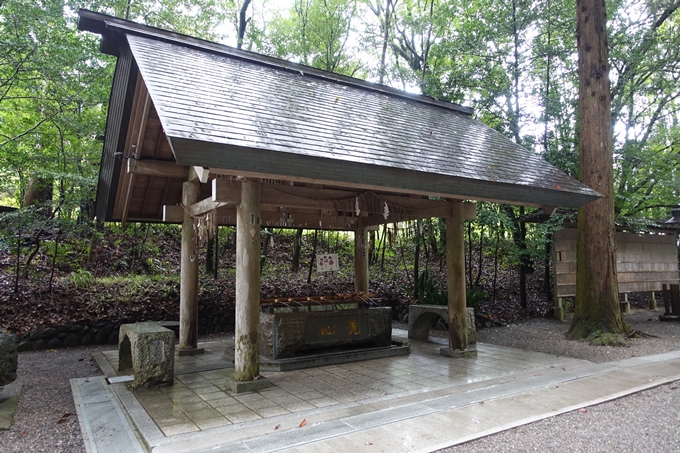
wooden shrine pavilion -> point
(196, 127)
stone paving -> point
(416, 403)
(198, 401)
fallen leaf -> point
(68, 414)
(481, 402)
(673, 388)
(304, 422)
(583, 411)
(564, 369)
(62, 421)
(368, 443)
(536, 375)
(276, 427)
(22, 434)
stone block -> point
(72, 340)
(8, 358)
(285, 335)
(149, 351)
(25, 346)
(101, 337)
(54, 343)
(420, 318)
(49, 333)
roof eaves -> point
(113, 29)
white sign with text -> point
(327, 262)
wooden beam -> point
(228, 191)
(124, 176)
(162, 168)
(444, 211)
(306, 218)
(200, 174)
(136, 145)
(354, 186)
(173, 214)
(469, 211)
(272, 218)
(204, 206)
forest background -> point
(513, 61)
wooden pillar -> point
(188, 287)
(455, 278)
(360, 260)
(247, 335)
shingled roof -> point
(246, 114)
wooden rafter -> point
(139, 129)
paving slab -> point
(474, 419)
(420, 402)
(103, 423)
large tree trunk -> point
(597, 303)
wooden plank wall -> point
(643, 262)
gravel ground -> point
(648, 421)
(46, 419)
(645, 422)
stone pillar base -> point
(470, 352)
(189, 351)
(652, 301)
(558, 313)
(235, 386)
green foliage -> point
(474, 297)
(567, 305)
(52, 104)
(317, 33)
(81, 279)
(426, 292)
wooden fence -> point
(643, 262)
